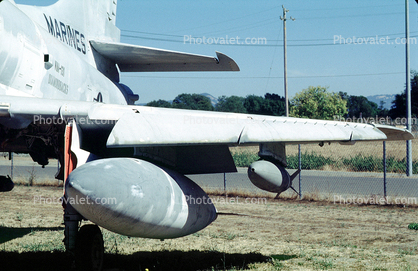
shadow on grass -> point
(161, 260)
(8, 234)
(283, 257)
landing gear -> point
(89, 249)
(85, 246)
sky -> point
(351, 46)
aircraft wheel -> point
(89, 248)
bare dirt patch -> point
(248, 234)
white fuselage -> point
(43, 56)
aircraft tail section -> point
(94, 18)
(102, 14)
(102, 9)
(99, 17)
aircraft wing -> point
(142, 126)
(155, 127)
(132, 58)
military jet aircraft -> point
(124, 165)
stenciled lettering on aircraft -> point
(66, 34)
(58, 84)
(59, 68)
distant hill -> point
(387, 98)
(213, 100)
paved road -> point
(327, 184)
(24, 168)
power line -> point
(266, 22)
(278, 40)
(345, 8)
(151, 33)
(274, 17)
(375, 42)
(272, 9)
(354, 16)
(230, 20)
(262, 77)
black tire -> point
(89, 249)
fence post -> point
(225, 182)
(11, 164)
(300, 172)
(384, 170)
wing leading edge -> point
(160, 127)
(147, 126)
(133, 58)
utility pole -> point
(408, 93)
(285, 58)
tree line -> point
(313, 102)
(270, 104)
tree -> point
(193, 101)
(317, 103)
(383, 112)
(159, 103)
(271, 104)
(360, 106)
(398, 108)
(274, 105)
(231, 104)
(254, 104)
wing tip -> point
(395, 133)
(226, 61)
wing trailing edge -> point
(162, 127)
(133, 58)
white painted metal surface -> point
(170, 127)
(133, 58)
(136, 198)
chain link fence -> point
(336, 172)
(23, 171)
(348, 172)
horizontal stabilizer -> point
(133, 58)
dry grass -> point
(35, 182)
(396, 149)
(260, 235)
